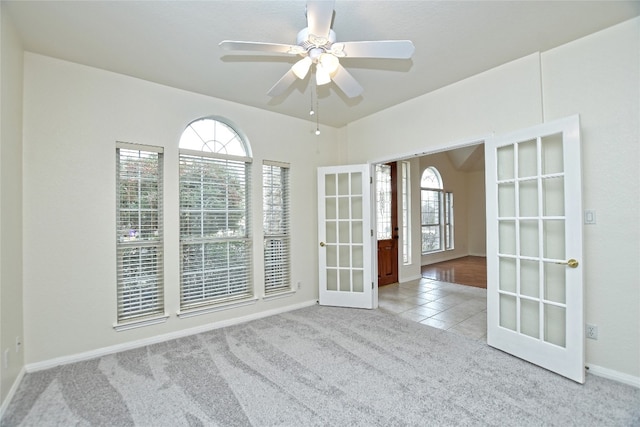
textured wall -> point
(73, 117)
(597, 77)
(11, 324)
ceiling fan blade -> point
(345, 81)
(260, 47)
(319, 17)
(391, 49)
(283, 84)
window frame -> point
(276, 238)
(216, 247)
(151, 267)
(443, 223)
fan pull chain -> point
(316, 111)
(311, 111)
(317, 118)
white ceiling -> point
(176, 43)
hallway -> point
(456, 308)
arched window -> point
(215, 244)
(436, 213)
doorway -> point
(460, 215)
(387, 222)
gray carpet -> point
(318, 366)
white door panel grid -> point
(344, 236)
(534, 246)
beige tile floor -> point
(456, 308)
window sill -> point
(119, 327)
(184, 314)
(278, 295)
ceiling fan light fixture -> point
(301, 68)
(316, 45)
(322, 76)
(329, 62)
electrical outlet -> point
(591, 331)
(6, 358)
(299, 285)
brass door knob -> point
(571, 263)
(322, 244)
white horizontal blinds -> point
(275, 203)
(214, 228)
(139, 246)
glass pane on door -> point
(343, 229)
(527, 159)
(552, 154)
(534, 213)
(553, 196)
(530, 192)
(555, 325)
(507, 274)
(383, 201)
(555, 282)
(530, 317)
(344, 254)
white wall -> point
(11, 314)
(410, 271)
(502, 99)
(596, 77)
(476, 214)
(73, 115)
(599, 78)
(498, 100)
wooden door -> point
(387, 223)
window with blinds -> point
(139, 243)
(215, 244)
(436, 213)
(275, 211)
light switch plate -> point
(589, 216)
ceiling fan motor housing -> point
(310, 41)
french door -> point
(344, 236)
(534, 246)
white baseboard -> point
(410, 278)
(614, 375)
(12, 392)
(79, 357)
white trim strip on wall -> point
(79, 357)
(12, 392)
(614, 375)
(139, 147)
(213, 308)
(276, 163)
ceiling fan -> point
(317, 46)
